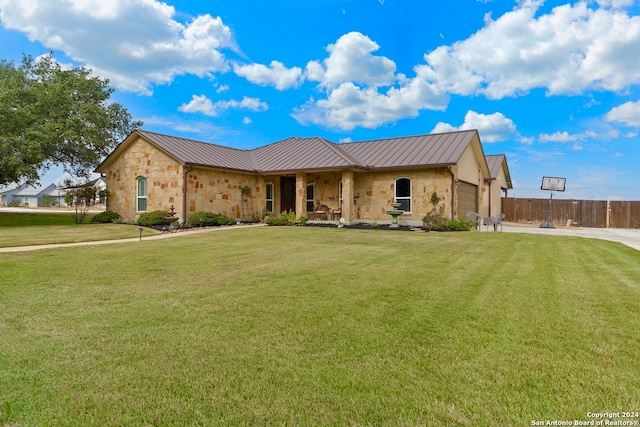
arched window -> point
(141, 194)
(269, 197)
(403, 193)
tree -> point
(52, 116)
(81, 197)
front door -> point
(287, 194)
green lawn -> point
(311, 326)
(24, 229)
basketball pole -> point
(548, 223)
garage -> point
(467, 198)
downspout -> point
(453, 191)
(184, 194)
(490, 197)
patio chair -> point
(336, 213)
(322, 211)
(495, 220)
(474, 216)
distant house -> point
(356, 181)
(26, 195)
(99, 184)
(499, 181)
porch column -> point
(348, 208)
(301, 194)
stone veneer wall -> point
(221, 192)
(326, 188)
(374, 193)
(164, 180)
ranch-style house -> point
(356, 181)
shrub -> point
(105, 217)
(154, 218)
(208, 219)
(459, 225)
(433, 221)
(259, 215)
(285, 218)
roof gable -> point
(315, 153)
(35, 190)
(303, 154)
(191, 152)
(496, 162)
(412, 151)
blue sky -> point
(555, 86)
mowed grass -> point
(309, 326)
(26, 228)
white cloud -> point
(615, 3)
(571, 49)
(199, 104)
(567, 137)
(276, 74)
(354, 81)
(202, 104)
(350, 60)
(247, 121)
(491, 127)
(627, 114)
(141, 43)
(349, 106)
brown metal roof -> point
(300, 154)
(495, 162)
(304, 154)
(201, 153)
(420, 150)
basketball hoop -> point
(551, 184)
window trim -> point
(409, 197)
(266, 195)
(312, 199)
(140, 197)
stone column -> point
(301, 194)
(348, 208)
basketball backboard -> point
(552, 183)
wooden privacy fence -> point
(582, 213)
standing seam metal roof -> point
(421, 150)
(303, 154)
(495, 162)
(201, 153)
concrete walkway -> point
(136, 239)
(629, 237)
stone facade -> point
(361, 196)
(222, 192)
(163, 174)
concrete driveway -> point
(629, 237)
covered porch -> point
(323, 196)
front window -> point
(310, 197)
(142, 194)
(269, 197)
(403, 193)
